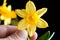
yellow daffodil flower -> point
(6, 13)
(31, 18)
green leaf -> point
(14, 22)
(45, 36)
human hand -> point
(12, 33)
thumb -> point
(6, 30)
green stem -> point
(28, 38)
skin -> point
(12, 33)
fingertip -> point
(34, 37)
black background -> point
(52, 15)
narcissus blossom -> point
(31, 18)
(6, 13)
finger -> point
(34, 37)
(19, 35)
(6, 30)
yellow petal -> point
(13, 14)
(22, 24)
(30, 7)
(2, 17)
(9, 7)
(21, 13)
(41, 12)
(7, 21)
(4, 3)
(31, 30)
(42, 23)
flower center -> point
(32, 18)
